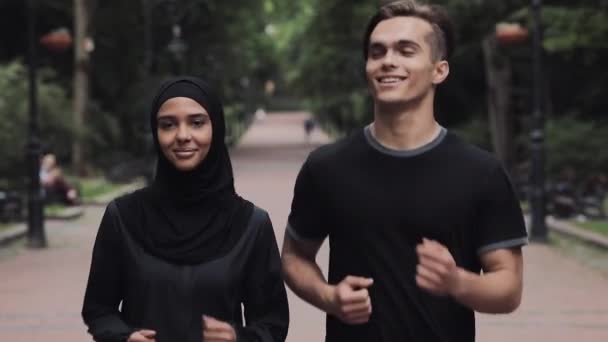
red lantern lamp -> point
(57, 40)
(511, 33)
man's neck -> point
(405, 127)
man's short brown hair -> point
(442, 39)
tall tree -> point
(82, 12)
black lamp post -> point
(35, 220)
(537, 135)
(178, 48)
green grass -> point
(91, 188)
(3, 226)
(53, 209)
(591, 256)
(600, 226)
(597, 226)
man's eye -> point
(376, 51)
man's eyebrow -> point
(399, 43)
(407, 43)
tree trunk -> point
(81, 80)
(498, 77)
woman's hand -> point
(142, 336)
(217, 331)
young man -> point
(413, 214)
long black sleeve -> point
(103, 293)
(265, 302)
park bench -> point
(11, 205)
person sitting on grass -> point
(55, 187)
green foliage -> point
(55, 116)
(575, 39)
(91, 188)
(325, 63)
(236, 123)
(326, 59)
(227, 44)
(570, 26)
(310, 48)
(476, 132)
(321, 48)
(576, 144)
(577, 28)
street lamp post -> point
(35, 233)
(537, 135)
(178, 48)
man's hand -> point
(142, 336)
(349, 300)
(437, 271)
(217, 331)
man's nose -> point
(388, 60)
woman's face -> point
(184, 132)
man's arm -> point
(349, 300)
(302, 273)
(497, 290)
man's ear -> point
(441, 71)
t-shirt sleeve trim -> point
(299, 237)
(503, 244)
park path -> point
(41, 291)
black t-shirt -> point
(376, 205)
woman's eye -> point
(165, 125)
(198, 123)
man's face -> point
(184, 132)
(400, 66)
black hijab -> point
(188, 217)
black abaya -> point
(171, 298)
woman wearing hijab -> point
(178, 260)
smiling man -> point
(424, 229)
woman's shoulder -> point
(260, 224)
(129, 201)
(127, 208)
(259, 215)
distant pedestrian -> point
(309, 126)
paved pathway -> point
(41, 291)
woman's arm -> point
(265, 301)
(103, 294)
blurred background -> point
(528, 82)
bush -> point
(578, 145)
(54, 111)
(476, 132)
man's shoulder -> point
(470, 154)
(334, 152)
